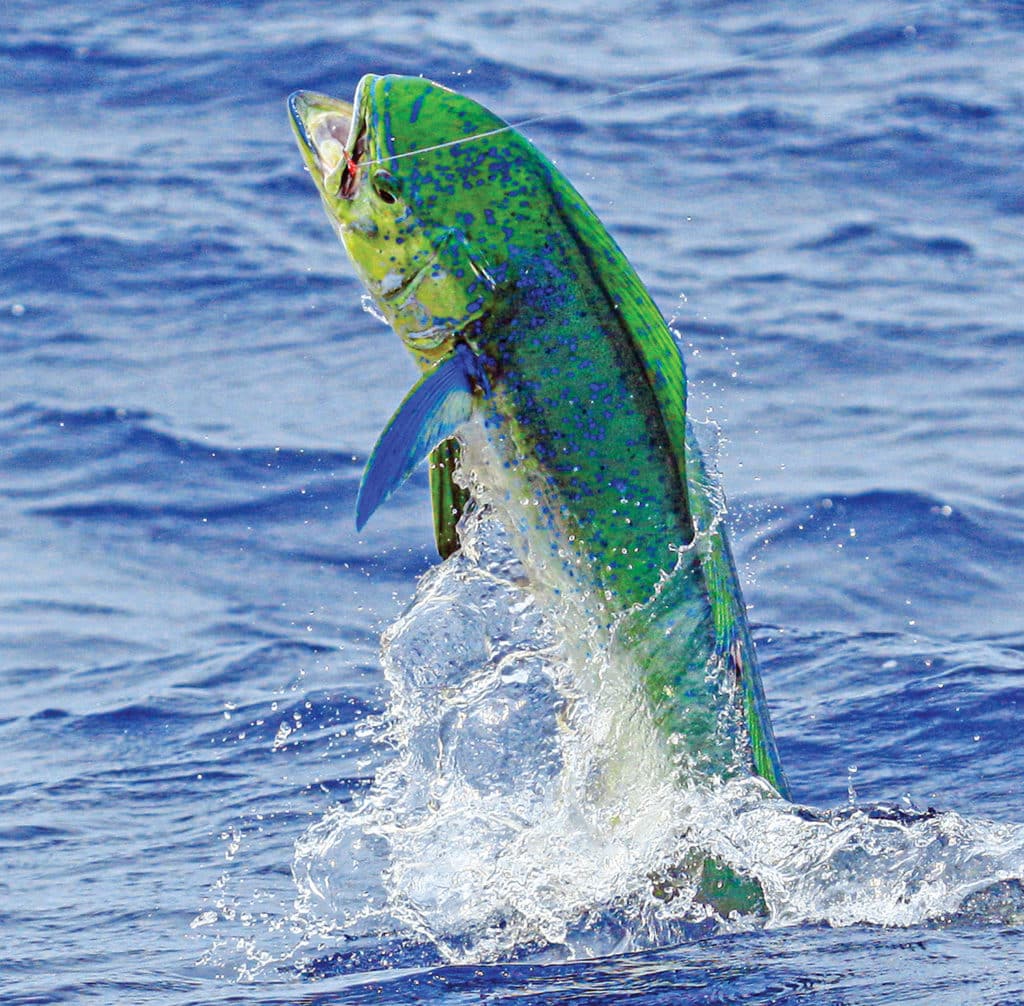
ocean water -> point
(205, 758)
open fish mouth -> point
(332, 138)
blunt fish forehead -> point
(405, 115)
(410, 127)
(457, 165)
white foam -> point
(530, 801)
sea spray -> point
(529, 805)
(527, 785)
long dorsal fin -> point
(651, 340)
(656, 351)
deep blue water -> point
(829, 201)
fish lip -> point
(297, 106)
(310, 112)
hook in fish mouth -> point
(330, 139)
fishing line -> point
(817, 39)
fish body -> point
(525, 317)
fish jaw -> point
(323, 128)
(425, 278)
(331, 136)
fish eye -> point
(386, 186)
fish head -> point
(359, 197)
(413, 181)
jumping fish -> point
(526, 319)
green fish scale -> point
(587, 398)
(573, 408)
(585, 422)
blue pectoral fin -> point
(438, 404)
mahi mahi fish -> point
(526, 319)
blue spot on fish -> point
(417, 106)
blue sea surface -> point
(828, 201)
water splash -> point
(510, 807)
(530, 805)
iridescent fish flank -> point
(527, 320)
